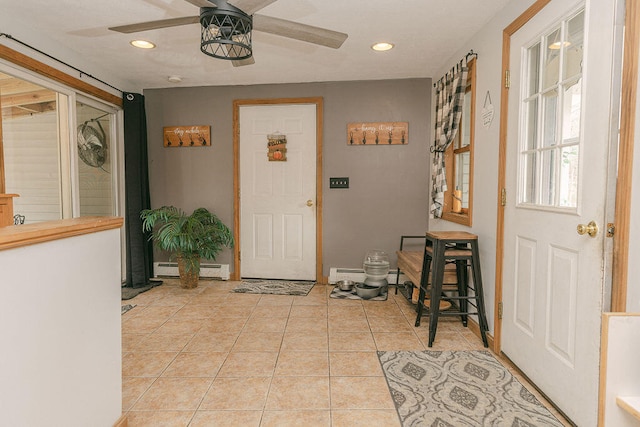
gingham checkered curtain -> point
(449, 102)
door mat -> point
(128, 293)
(274, 287)
(337, 293)
(459, 388)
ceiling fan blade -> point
(154, 25)
(201, 3)
(295, 30)
(251, 6)
(243, 62)
(239, 62)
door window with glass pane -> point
(551, 110)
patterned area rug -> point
(275, 287)
(337, 293)
(459, 388)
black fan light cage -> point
(225, 32)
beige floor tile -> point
(239, 311)
(365, 418)
(306, 324)
(211, 341)
(246, 300)
(248, 393)
(305, 341)
(276, 300)
(351, 341)
(354, 363)
(265, 324)
(129, 341)
(377, 308)
(187, 326)
(249, 364)
(300, 363)
(268, 311)
(163, 342)
(224, 324)
(216, 299)
(193, 311)
(160, 312)
(226, 419)
(201, 364)
(146, 363)
(298, 393)
(389, 324)
(313, 311)
(445, 341)
(360, 393)
(159, 418)
(178, 394)
(345, 311)
(348, 324)
(132, 389)
(296, 419)
(386, 341)
(311, 299)
(141, 325)
(258, 341)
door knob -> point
(591, 229)
(309, 202)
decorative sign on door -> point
(187, 136)
(378, 133)
(277, 145)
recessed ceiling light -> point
(142, 44)
(381, 47)
(174, 79)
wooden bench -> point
(410, 263)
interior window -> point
(458, 199)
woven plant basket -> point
(188, 279)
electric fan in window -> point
(92, 144)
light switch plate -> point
(339, 182)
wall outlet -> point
(339, 182)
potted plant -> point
(189, 238)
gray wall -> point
(388, 194)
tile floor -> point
(211, 357)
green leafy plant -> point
(189, 238)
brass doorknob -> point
(591, 229)
(309, 202)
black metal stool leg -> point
(424, 280)
(463, 282)
(436, 289)
(479, 292)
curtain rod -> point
(59, 61)
(466, 58)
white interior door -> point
(278, 198)
(558, 144)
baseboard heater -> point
(357, 275)
(213, 271)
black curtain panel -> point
(136, 171)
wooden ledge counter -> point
(14, 236)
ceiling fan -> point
(225, 28)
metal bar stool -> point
(461, 248)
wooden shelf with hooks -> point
(378, 133)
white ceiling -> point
(426, 34)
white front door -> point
(558, 144)
(278, 198)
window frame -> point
(465, 216)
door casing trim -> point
(319, 103)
